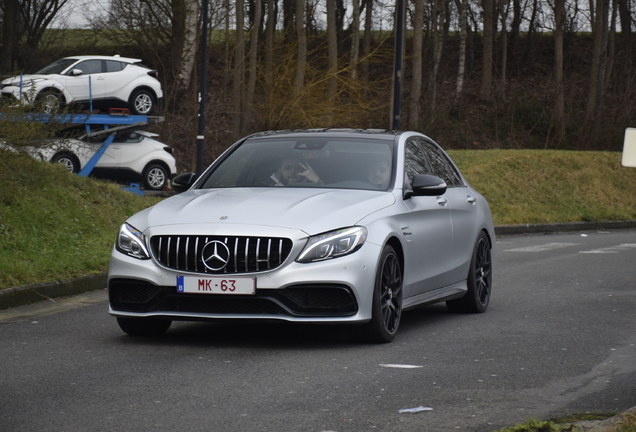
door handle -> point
(442, 201)
(471, 199)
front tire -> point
(142, 102)
(143, 326)
(479, 281)
(155, 177)
(51, 101)
(387, 299)
(68, 161)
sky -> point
(75, 12)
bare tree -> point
(239, 70)
(355, 38)
(269, 48)
(189, 44)
(416, 64)
(437, 28)
(301, 61)
(332, 41)
(597, 69)
(461, 66)
(559, 99)
(251, 82)
(488, 48)
(9, 35)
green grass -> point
(55, 225)
(538, 186)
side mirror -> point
(76, 72)
(183, 182)
(427, 185)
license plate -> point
(216, 285)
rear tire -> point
(142, 102)
(155, 177)
(387, 300)
(479, 281)
(144, 326)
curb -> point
(563, 227)
(18, 296)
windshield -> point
(341, 163)
(57, 67)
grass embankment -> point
(54, 225)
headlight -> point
(333, 244)
(131, 242)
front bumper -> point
(339, 290)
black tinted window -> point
(114, 66)
(414, 161)
(57, 67)
(340, 163)
(89, 66)
(441, 165)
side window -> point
(442, 167)
(414, 161)
(114, 66)
(130, 137)
(89, 66)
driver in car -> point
(379, 174)
(290, 171)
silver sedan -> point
(315, 226)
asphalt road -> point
(559, 337)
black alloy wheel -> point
(479, 281)
(387, 299)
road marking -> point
(542, 248)
(611, 249)
(401, 366)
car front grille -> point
(312, 300)
(220, 254)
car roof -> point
(330, 133)
(116, 57)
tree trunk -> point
(366, 43)
(504, 6)
(332, 41)
(355, 39)
(239, 71)
(189, 47)
(485, 87)
(251, 82)
(9, 40)
(461, 68)
(301, 61)
(416, 61)
(269, 49)
(599, 32)
(559, 99)
(438, 45)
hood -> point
(310, 210)
(26, 79)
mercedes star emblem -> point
(215, 255)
